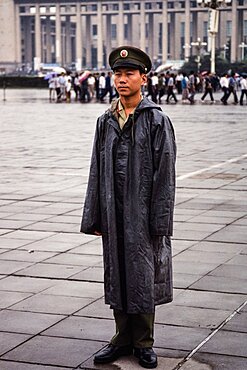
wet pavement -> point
(52, 313)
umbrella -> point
(59, 70)
(84, 76)
(50, 75)
(163, 67)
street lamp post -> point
(213, 23)
(242, 46)
(199, 46)
(225, 48)
(186, 47)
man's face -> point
(128, 81)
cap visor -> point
(127, 64)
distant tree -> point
(221, 65)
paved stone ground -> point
(52, 314)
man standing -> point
(208, 88)
(224, 84)
(170, 88)
(130, 201)
(243, 85)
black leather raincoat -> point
(130, 200)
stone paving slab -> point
(10, 340)
(49, 246)
(50, 270)
(83, 328)
(173, 337)
(217, 247)
(221, 284)
(90, 274)
(10, 365)
(238, 323)
(60, 352)
(88, 248)
(218, 362)
(192, 317)
(77, 289)
(240, 260)
(184, 280)
(10, 298)
(206, 299)
(30, 235)
(227, 343)
(192, 268)
(234, 234)
(97, 309)
(15, 224)
(9, 267)
(25, 284)
(44, 303)
(26, 255)
(27, 216)
(192, 234)
(75, 259)
(231, 271)
(26, 322)
(206, 257)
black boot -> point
(111, 353)
(147, 357)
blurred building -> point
(82, 33)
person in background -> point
(232, 88)
(57, 88)
(97, 90)
(224, 84)
(155, 86)
(52, 88)
(68, 87)
(170, 88)
(102, 85)
(91, 85)
(243, 85)
(62, 83)
(108, 88)
(161, 86)
(192, 87)
(208, 88)
(185, 89)
(178, 80)
(76, 86)
(85, 95)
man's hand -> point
(97, 233)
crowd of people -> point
(164, 87)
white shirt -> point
(171, 81)
(224, 82)
(91, 81)
(102, 82)
(243, 84)
(155, 80)
(179, 77)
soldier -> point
(129, 202)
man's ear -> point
(144, 79)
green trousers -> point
(133, 329)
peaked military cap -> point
(129, 56)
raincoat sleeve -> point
(163, 190)
(91, 212)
